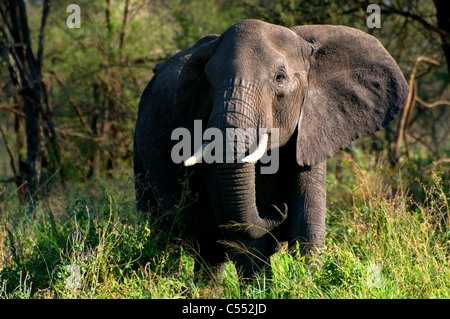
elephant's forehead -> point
(255, 49)
(258, 33)
(259, 41)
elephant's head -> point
(323, 86)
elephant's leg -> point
(252, 257)
(213, 270)
(308, 208)
(212, 273)
(210, 260)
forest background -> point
(69, 96)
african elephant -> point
(317, 87)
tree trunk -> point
(27, 73)
(444, 24)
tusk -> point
(194, 159)
(191, 161)
(260, 150)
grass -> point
(388, 236)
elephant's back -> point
(158, 112)
(158, 98)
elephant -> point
(307, 92)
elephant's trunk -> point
(237, 109)
(237, 187)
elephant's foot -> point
(212, 275)
(211, 272)
(310, 251)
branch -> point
(138, 9)
(14, 60)
(126, 12)
(26, 37)
(406, 111)
(75, 107)
(77, 134)
(108, 16)
(45, 12)
(421, 20)
(8, 149)
(433, 104)
(12, 109)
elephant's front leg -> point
(306, 220)
(252, 257)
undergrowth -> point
(388, 236)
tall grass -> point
(388, 236)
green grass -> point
(388, 236)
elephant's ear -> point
(354, 88)
(191, 93)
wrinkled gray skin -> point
(322, 86)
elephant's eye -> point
(280, 77)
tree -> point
(443, 22)
(42, 154)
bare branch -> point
(407, 108)
(432, 104)
(12, 110)
(75, 107)
(8, 149)
(108, 16)
(126, 12)
(421, 20)
(45, 12)
(78, 134)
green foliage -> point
(381, 243)
(388, 229)
(195, 18)
(94, 75)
